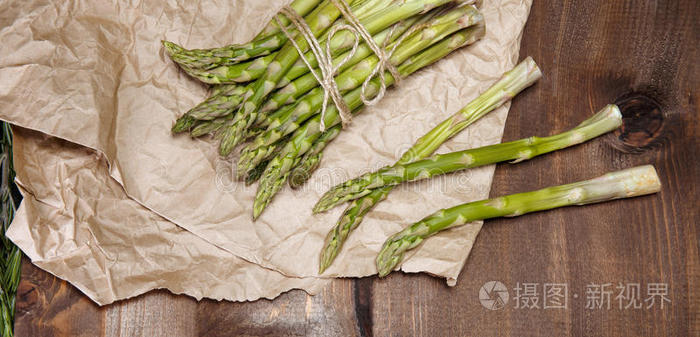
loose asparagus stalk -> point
(513, 82)
(270, 39)
(603, 122)
(278, 170)
(627, 183)
(310, 161)
(434, 32)
(288, 55)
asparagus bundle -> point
(627, 183)
(303, 138)
(606, 120)
(264, 92)
(512, 83)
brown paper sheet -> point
(94, 73)
(76, 222)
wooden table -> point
(642, 55)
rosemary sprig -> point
(10, 255)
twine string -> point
(325, 59)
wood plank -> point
(47, 306)
(159, 313)
(329, 313)
(642, 55)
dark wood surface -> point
(642, 55)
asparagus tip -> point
(298, 178)
(255, 173)
(257, 209)
(329, 252)
(226, 145)
(183, 124)
(171, 47)
(389, 257)
(320, 207)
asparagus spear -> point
(254, 174)
(340, 42)
(627, 183)
(237, 73)
(310, 161)
(278, 170)
(603, 122)
(513, 82)
(270, 39)
(217, 89)
(434, 32)
(209, 126)
(182, 124)
(226, 98)
(199, 59)
(220, 104)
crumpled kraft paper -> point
(76, 222)
(94, 73)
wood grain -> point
(642, 55)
